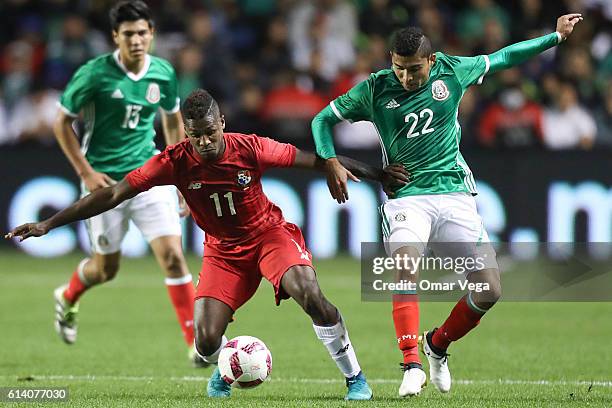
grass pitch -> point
(130, 352)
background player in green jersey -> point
(414, 107)
(119, 95)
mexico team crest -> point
(103, 241)
(400, 217)
(153, 93)
(439, 91)
(243, 178)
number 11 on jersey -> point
(230, 201)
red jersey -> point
(225, 197)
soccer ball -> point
(245, 362)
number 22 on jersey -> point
(414, 118)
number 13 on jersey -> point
(132, 116)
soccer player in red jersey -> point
(247, 238)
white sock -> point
(337, 341)
(214, 357)
(81, 272)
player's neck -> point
(133, 66)
(221, 150)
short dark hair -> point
(410, 41)
(200, 105)
(129, 10)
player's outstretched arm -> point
(337, 175)
(394, 175)
(355, 105)
(520, 52)
(309, 160)
(95, 203)
(322, 132)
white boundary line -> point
(500, 381)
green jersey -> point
(119, 109)
(419, 128)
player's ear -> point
(432, 58)
(116, 37)
(222, 122)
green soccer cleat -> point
(65, 316)
(358, 388)
(217, 387)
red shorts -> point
(233, 276)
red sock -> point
(406, 322)
(182, 294)
(461, 320)
(76, 287)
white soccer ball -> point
(245, 362)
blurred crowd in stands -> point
(273, 64)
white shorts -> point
(449, 224)
(154, 212)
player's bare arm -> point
(172, 125)
(67, 139)
(174, 132)
(392, 176)
(101, 200)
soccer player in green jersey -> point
(119, 95)
(414, 108)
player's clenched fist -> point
(34, 229)
(566, 23)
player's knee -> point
(301, 284)
(494, 292)
(490, 294)
(107, 271)
(311, 299)
(172, 262)
(306, 291)
(207, 339)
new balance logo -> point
(343, 349)
(392, 104)
(117, 94)
(194, 185)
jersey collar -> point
(131, 75)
